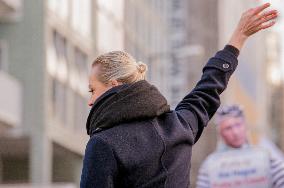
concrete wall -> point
(26, 54)
(203, 31)
(10, 100)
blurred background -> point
(47, 47)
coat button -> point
(226, 65)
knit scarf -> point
(126, 103)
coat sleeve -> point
(198, 107)
(99, 166)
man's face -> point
(233, 131)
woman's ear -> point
(114, 83)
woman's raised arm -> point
(202, 102)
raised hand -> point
(252, 21)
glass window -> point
(81, 111)
(81, 62)
(1, 58)
(59, 98)
(61, 7)
(116, 8)
(60, 46)
(81, 16)
(3, 55)
(61, 56)
(109, 27)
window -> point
(61, 7)
(81, 62)
(115, 8)
(60, 46)
(110, 16)
(59, 99)
(81, 110)
(61, 56)
(3, 56)
(81, 16)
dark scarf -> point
(126, 103)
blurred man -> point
(235, 163)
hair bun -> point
(142, 67)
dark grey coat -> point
(156, 151)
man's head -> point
(231, 125)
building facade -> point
(11, 89)
(50, 46)
(53, 46)
(203, 43)
(146, 38)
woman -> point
(136, 140)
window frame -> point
(3, 56)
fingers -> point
(260, 8)
(266, 17)
(267, 13)
(267, 25)
(269, 17)
(261, 19)
(261, 27)
(252, 21)
(257, 19)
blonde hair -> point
(120, 66)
